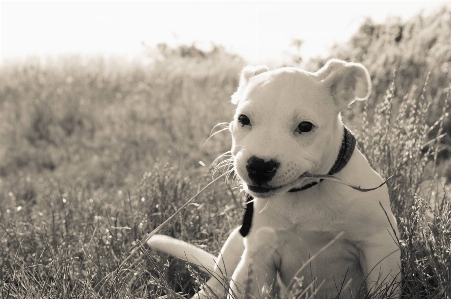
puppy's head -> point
(287, 122)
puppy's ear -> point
(346, 81)
(247, 73)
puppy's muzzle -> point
(260, 172)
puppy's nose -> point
(260, 171)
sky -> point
(258, 31)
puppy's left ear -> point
(246, 74)
(346, 81)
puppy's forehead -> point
(284, 83)
(287, 93)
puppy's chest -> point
(318, 254)
(300, 232)
(300, 241)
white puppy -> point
(287, 127)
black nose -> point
(260, 171)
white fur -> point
(289, 227)
(183, 250)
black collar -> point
(344, 155)
(346, 150)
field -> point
(95, 153)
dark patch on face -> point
(260, 171)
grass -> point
(75, 201)
(398, 145)
(96, 153)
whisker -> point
(228, 176)
(224, 162)
(217, 125)
(235, 176)
(225, 154)
(222, 165)
(217, 132)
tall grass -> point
(78, 134)
(399, 145)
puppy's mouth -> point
(295, 186)
(258, 189)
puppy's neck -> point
(330, 153)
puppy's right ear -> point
(346, 81)
(247, 73)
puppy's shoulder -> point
(360, 173)
(373, 207)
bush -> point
(415, 50)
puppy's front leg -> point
(255, 274)
(381, 265)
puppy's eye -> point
(304, 127)
(244, 120)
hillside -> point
(409, 54)
(102, 120)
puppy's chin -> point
(260, 192)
